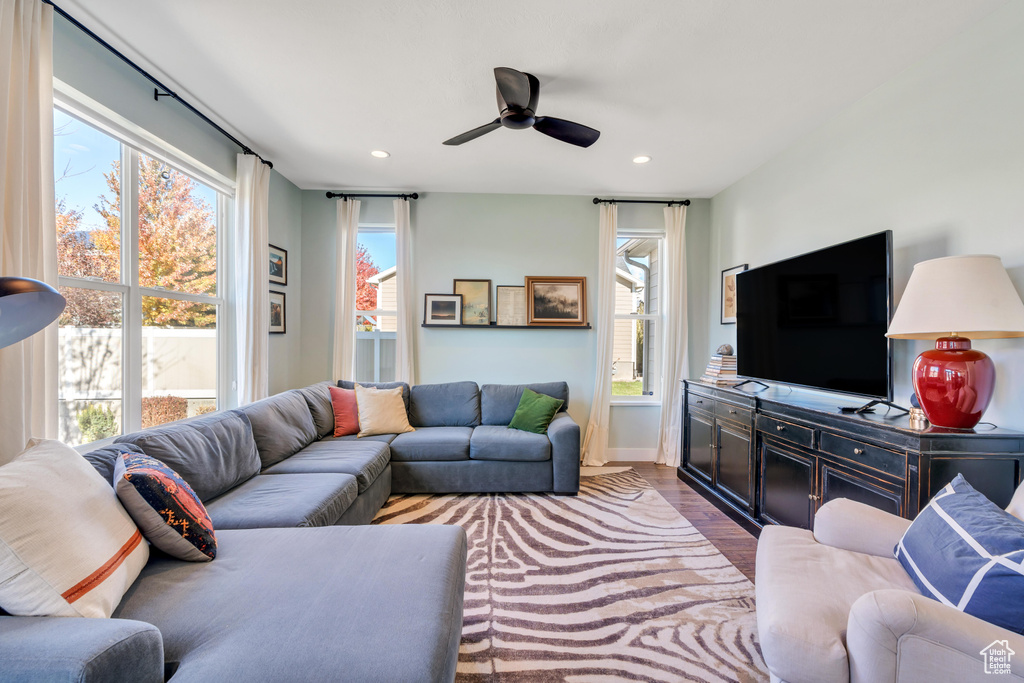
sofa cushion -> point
(67, 547)
(346, 411)
(432, 443)
(802, 608)
(360, 603)
(281, 425)
(105, 459)
(318, 400)
(498, 402)
(453, 404)
(965, 552)
(497, 442)
(381, 411)
(348, 384)
(166, 509)
(381, 438)
(284, 500)
(213, 453)
(363, 459)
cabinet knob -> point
(699, 401)
(732, 411)
(813, 497)
(780, 428)
(858, 451)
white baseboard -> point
(632, 454)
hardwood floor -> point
(735, 542)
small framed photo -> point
(729, 293)
(442, 309)
(476, 301)
(511, 305)
(556, 301)
(277, 313)
(278, 265)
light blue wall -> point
(936, 155)
(83, 64)
(501, 237)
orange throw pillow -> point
(346, 413)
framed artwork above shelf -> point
(495, 326)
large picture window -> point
(376, 304)
(138, 243)
(636, 350)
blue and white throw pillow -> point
(967, 553)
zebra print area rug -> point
(612, 584)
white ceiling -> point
(711, 89)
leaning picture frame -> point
(559, 301)
(442, 309)
(729, 293)
(476, 301)
(278, 314)
(511, 306)
(278, 265)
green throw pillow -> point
(535, 412)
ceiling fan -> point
(517, 103)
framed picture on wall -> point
(556, 301)
(278, 265)
(729, 293)
(442, 309)
(511, 305)
(476, 301)
(277, 313)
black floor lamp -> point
(26, 306)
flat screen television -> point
(819, 320)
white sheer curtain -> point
(405, 352)
(595, 442)
(676, 365)
(28, 233)
(252, 297)
(345, 290)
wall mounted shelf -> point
(495, 326)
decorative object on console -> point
(945, 299)
(725, 350)
(721, 370)
(381, 411)
(556, 301)
(512, 305)
(442, 309)
(535, 412)
(278, 265)
(26, 306)
(729, 294)
(166, 509)
(476, 301)
(277, 313)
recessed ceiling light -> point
(642, 159)
(380, 154)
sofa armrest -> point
(896, 635)
(564, 434)
(80, 649)
(850, 525)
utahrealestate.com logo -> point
(997, 657)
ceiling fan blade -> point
(475, 133)
(567, 131)
(513, 87)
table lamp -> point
(26, 306)
(953, 300)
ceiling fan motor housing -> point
(517, 118)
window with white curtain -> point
(637, 343)
(376, 304)
(140, 244)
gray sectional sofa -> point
(300, 590)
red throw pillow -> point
(346, 414)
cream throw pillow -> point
(67, 546)
(381, 411)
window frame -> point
(659, 318)
(376, 229)
(135, 142)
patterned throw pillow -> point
(165, 507)
(965, 552)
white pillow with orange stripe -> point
(67, 546)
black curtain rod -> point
(345, 195)
(672, 202)
(157, 94)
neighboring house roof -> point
(626, 275)
(382, 275)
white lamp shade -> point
(971, 296)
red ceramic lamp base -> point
(954, 383)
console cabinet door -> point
(787, 486)
(840, 482)
(735, 466)
(700, 454)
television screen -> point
(819, 320)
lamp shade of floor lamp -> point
(26, 306)
(953, 300)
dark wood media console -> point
(776, 456)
